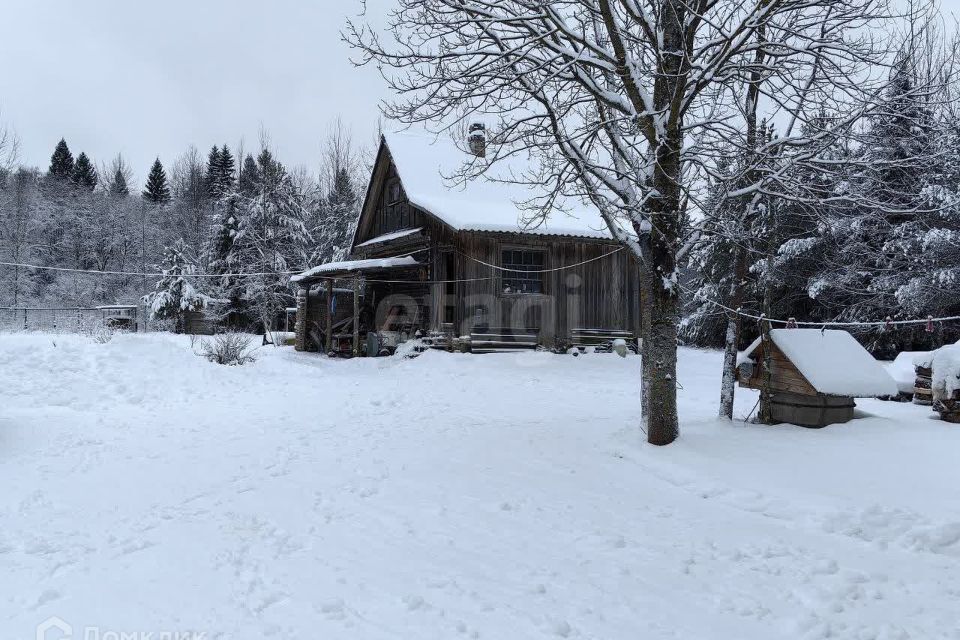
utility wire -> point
(791, 321)
(742, 314)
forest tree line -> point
(222, 213)
(874, 235)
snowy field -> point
(453, 496)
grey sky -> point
(148, 79)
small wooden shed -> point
(813, 375)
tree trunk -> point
(728, 385)
(660, 367)
(660, 348)
(664, 204)
(646, 284)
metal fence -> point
(57, 320)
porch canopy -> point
(354, 269)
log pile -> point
(945, 378)
(921, 388)
(948, 408)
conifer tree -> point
(272, 237)
(175, 294)
(249, 177)
(227, 167)
(84, 173)
(157, 189)
(118, 186)
(61, 162)
(338, 215)
(892, 195)
(212, 179)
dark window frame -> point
(523, 271)
(395, 214)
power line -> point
(563, 268)
(792, 321)
(140, 273)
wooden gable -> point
(784, 375)
(386, 207)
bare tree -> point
(342, 171)
(117, 177)
(9, 148)
(625, 103)
(190, 197)
(19, 226)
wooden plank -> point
(329, 316)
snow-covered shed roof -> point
(832, 361)
(356, 265)
(426, 165)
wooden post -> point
(329, 330)
(356, 317)
(303, 306)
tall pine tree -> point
(212, 178)
(227, 167)
(249, 177)
(84, 174)
(338, 216)
(157, 190)
(272, 238)
(61, 162)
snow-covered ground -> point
(503, 496)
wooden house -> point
(813, 375)
(443, 258)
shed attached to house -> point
(812, 375)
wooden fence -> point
(57, 320)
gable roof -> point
(832, 361)
(426, 165)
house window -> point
(523, 271)
(395, 209)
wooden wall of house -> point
(603, 294)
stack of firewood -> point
(921, 388)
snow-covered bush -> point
(102, 333)
(228, 348)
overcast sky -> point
(148, 79)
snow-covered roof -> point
(387, 237)
(833, 362)
(427, 164)
(357, 265)
(904, 372)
